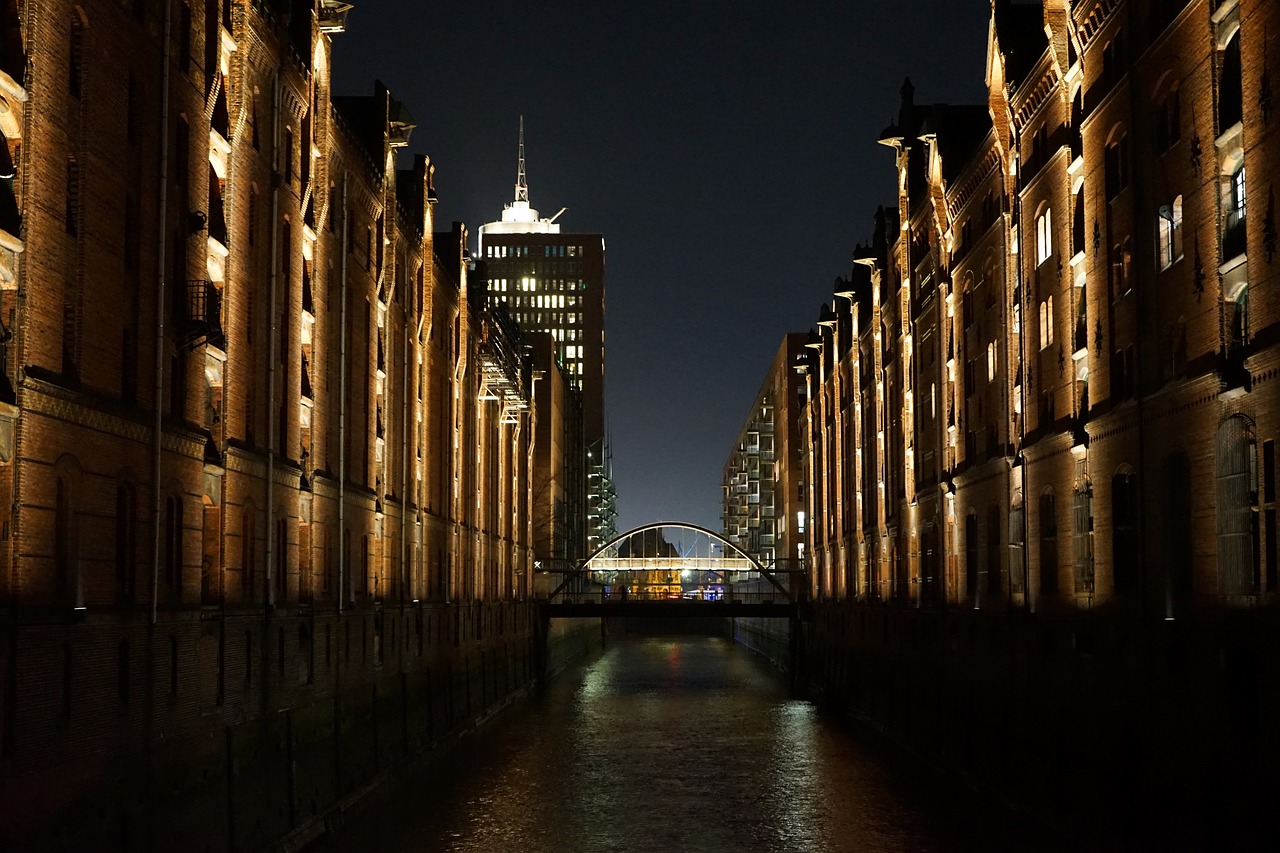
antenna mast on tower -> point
(522, 186)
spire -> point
(522, 185)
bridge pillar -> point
(541, 632)
(798, 658)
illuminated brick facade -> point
(1059, 362)
(1078, 295)
(269, 483)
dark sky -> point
(726, 150)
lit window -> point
(1046, 323)
(991, 361)
(1044, 236)
(1169, 229)
(1237, 195)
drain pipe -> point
(342, 405)
(272, 342)
(162, 260)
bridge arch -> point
(618, 558)
(617, 541)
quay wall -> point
(280, 748)
(1154, 732)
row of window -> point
(542, 300)
(524, 251)
(530, 284)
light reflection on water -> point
(670, 744)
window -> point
(248, 569)
(971, 556)
(1269, 498)
(1230, 86)
(1046, 323)
(1044, 236)
(1082, 536)
(62, 539)
(1048, 544)
(1237, 196)
(173, 545)
(991, 361)
(1168, 121)
(1077, 223)
(1116, 164)
(1169, 233)
(1236, 463)
(1121, 267)
(1125, 544)
(126, 533)
(1113, 61)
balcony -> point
(202, 320)
(1234, 240)
(332, 16)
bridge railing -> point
(605, 594)
(734, 586)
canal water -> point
(675, 744)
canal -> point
(675, 744)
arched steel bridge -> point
(672, 568)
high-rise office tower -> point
(552, 281)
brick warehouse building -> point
(1042, 418)
(266, 451)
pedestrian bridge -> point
(668, 569)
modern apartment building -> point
(764, 507)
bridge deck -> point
(670, 609)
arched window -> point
(126, 541)
(1116, 165)
(13, 59)
(1044, 236)
(282, 560)
(1169, 233)
(173, 545)
(248, 555)
(1125, 553)
(993, 550)
(1017, 545)
(971, 560)
(62, 545)
(1082, 536)
(1048, 544)
(1236, 464)
(1230, 86)
(1168, 120)
(1046, 323)
(1077, 222)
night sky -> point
(726, 151)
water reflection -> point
(672, 744)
